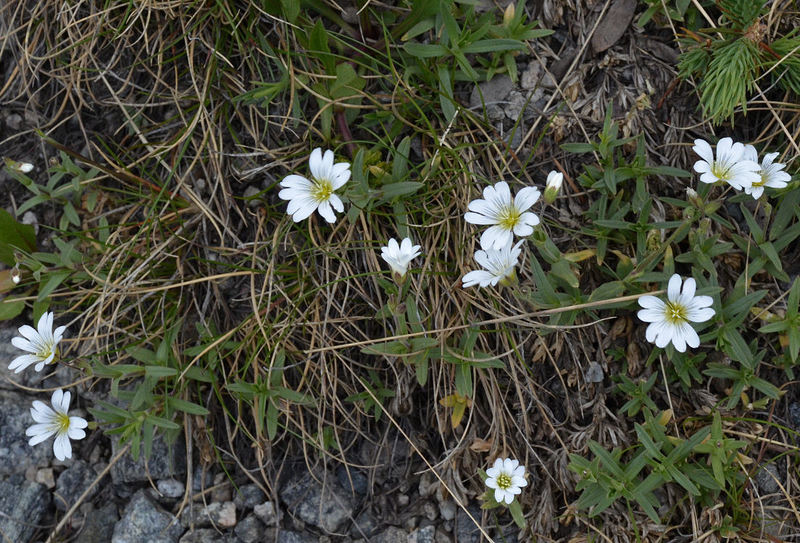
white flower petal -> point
(325, 210)
(62, 448)
(674, 287)
(526, 197)
(703, 149)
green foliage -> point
(728, 60)
(269, 396)
(633, 474)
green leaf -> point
(161, 422)
(420, 50)
(54, 279)
(396, 190)
(14, 235)
(493, 45)
(10, 308)
(159, 372)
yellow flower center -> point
(719, 172)
(322, 190)
(763, 180)
(508, 217)
(62, 422)
(45, 353)
(675, 313)
(503, 481)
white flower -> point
(306, 195)
(507, 217)
(398, 255)
(41, 343)
(770, 172)
(56, 420)
(729, 166)
(552, 186)
(507, 478)
(497, 266)
(670, 321)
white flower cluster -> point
(41, 346)
(737, 165)
(506, 217)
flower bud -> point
(508, 14)
(15, 275)
(553, 185)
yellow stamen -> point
(509, 217)
(322, 190)
(503, 481)
(62, 421)
(675, 313)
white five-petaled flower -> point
(41, 343)
(669, 321)
(318, 193)
(398, 255)
(507, 478)
(771, 172)
(729, 164)
(506, 216)
(56, 421)
(497, 266)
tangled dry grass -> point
(181, 105)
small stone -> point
(353, 479)
(221, 515)
(250, 529)
(392, 535)
(429, 510)
(365, 524)
(267, 513)
(323, 504)
(171, 488)
(403, 500)
(442, 537)
(248, 496)
(45, 477)
(143, 520)
(165, 461)
(466, 531)
(288, 536)
(794, 414)
(767, 479)
(491, 94)
(201, 479)
(426, 534)
(594, 373)
(99, 526)
(250, 195)
(427, 485)
(448, 509)
(410, 523)
(206, 535)
(14, 121)
(16, 456)
(22, 507)
(222, 489)
(530, 77)
(72, 483)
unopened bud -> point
(15, 276)
(21, 167)
(553, 185)
(508, 14)
(694, 198)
